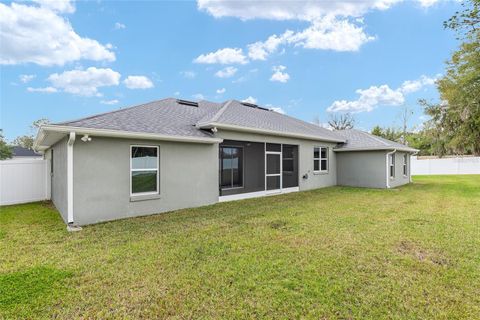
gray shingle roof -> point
(166, 117)
(360, 140)
(18, 151)
(237, 114)
(169, 117)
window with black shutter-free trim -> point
(320, 159)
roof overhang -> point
(232, 127)
(406, 149)
(48, 135)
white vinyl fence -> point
(24, 181)
(450, 165)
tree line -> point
(454, 125)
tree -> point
(342, 122)
(456, 119)
(5, 150)
(388, 133)
(377, 131)
(26, 141)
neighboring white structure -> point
(24, 180)
(447, 165)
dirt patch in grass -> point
(414, 250)
(278, 224)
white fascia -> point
(114, 134)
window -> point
(288, 159)
(320, 159)
(405, 161)
(392, 165)
(231, 167)
(144, 170)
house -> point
(19, 152)
(172, 154)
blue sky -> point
(64, 60)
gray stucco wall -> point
(59, 177)
(400, 179)
(361, 169)
(188, 178)
(368, 169)
(305, 157)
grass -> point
(333, 253)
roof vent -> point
(252, 105)
(187, 103)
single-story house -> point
(172, 154)
(19, 152)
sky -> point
(64, 60)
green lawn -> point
(412, 252)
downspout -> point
(71, 141)
(388, 167)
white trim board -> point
(257, 194)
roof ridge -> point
(217, 115)
(109, 112)
(221, 111)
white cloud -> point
(42, 90)
(250, 99)
(188, 74)
(410, 86)
(330, 33)
(198, 96)
(221, 91)
(85, 82)
(278, 74)
(60, 6)
(38, 34)
(261, 50)
(369, 99)
(138, 82)
(290, 10)
(226, 72)
(26, 77)
(326, 33)
(334, 25)
(278, 110)
(223, 56)
(427, 3)
(109, 102)
(374, 96)
(176, 93)
(119, 26)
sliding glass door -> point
(231, 167)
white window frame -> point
(320, 159)
(133, 170)
(391, 163)
(405, 165)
